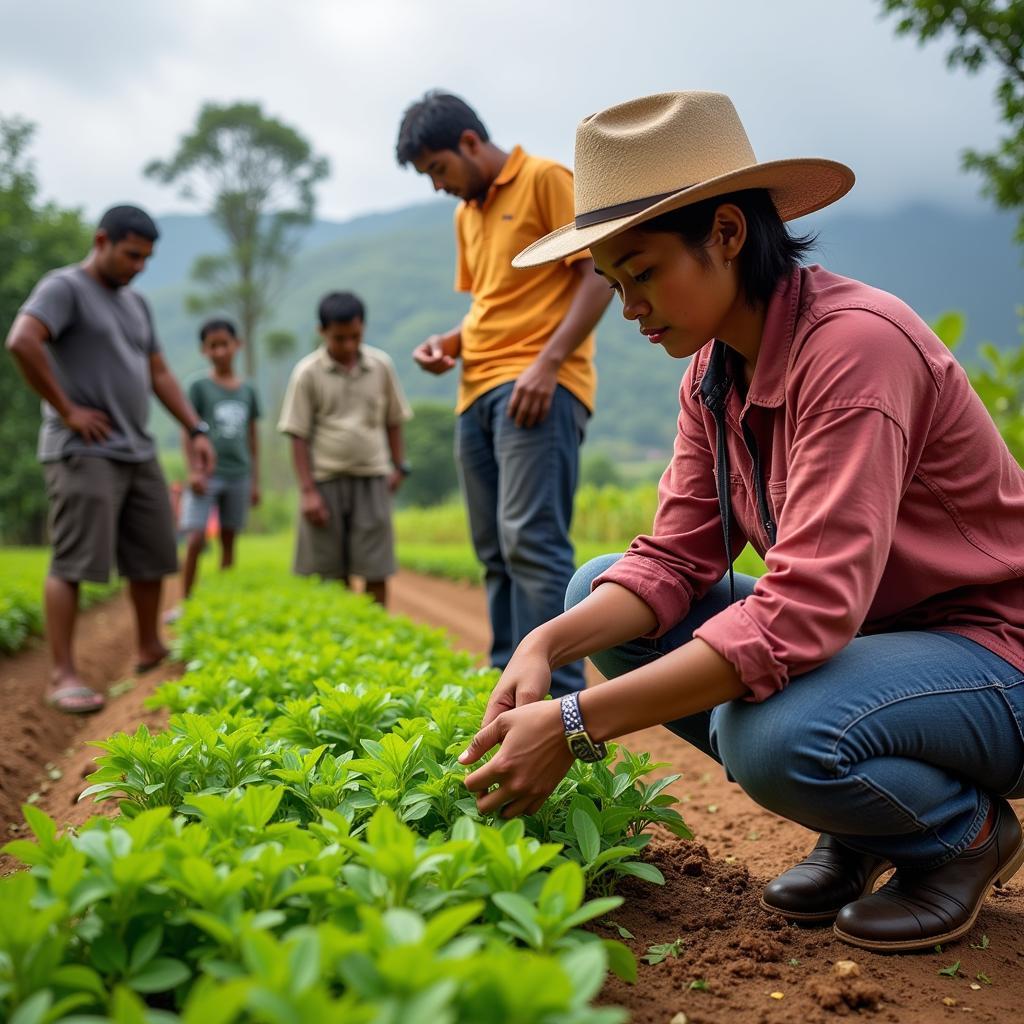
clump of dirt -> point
(844, 994)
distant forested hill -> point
(401, 264)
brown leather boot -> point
(918, 908)
(828, 878)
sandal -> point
(69, 699)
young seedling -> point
(951, 971)
(662, 950)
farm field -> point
(718, 957)
(21, 588)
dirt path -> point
(34, 736)
(745, 957)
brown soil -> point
(744, 956)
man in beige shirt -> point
(344, 410)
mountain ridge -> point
(401, 263)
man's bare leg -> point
(145, 595)
(378, 590)
(60, 598)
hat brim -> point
(798, 187)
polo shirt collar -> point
(333, 367)
(768, 388)
(512, 166)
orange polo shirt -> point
(515, 312)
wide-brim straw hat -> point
(658, 153)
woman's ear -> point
(730, 230)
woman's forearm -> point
(609, 616)
(692, 678)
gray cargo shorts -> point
(100, 508)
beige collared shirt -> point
(344, 414)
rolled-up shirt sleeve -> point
(684, 555)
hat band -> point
(606, 213)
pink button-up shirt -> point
(898, 505)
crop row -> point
(21, 591)
(298, 844)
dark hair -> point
(769, 252)
(340, 308)
(216, 324)
(436, 122)
(121, 221)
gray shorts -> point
(231, 497)
(358, 539)
(100, 507)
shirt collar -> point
(332, 367)
(768, 388)
(512, 166)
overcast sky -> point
(112, 84)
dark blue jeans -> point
(519, 484)
(895, 745)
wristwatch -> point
(202, 427)
(576, 735)
(404, 468)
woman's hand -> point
(527, 678)
(533, 759)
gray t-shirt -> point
(100, 342)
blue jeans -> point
(896, 745)
(519, 485)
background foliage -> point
(34, 237)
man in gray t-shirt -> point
(85, 343)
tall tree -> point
(34, 238)
(256, 176)
(987, 32)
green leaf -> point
(949, 327)
(641, 869)
(78, 977)
(587, 836)
(952, 970)
(126, 1007)
(210, 1003)
(445, 925)
(145, 949)
(523, 913)
(621, 961)
(34, 1009)
(160, 975)
(585, 965)
(304, 962)
(43, 827)
(592, 909)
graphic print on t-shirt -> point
(230, 418)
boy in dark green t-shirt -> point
(230, 407)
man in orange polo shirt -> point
(527, 349)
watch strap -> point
(580, 743)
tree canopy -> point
(987, 33)
(256, 177)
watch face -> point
(582, 748)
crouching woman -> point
(870, 685)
